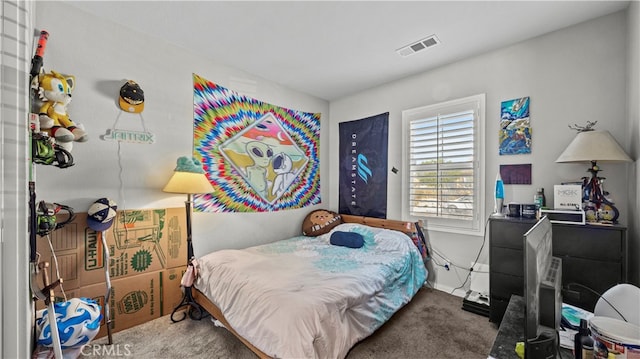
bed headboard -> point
(405, 227)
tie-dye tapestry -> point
(258, 157)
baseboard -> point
(458, 292)
(470, 306)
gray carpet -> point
(432, 325)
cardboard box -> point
(134, 300)
(147, 258)
(67, 248)
(567, 197)
(171, 290)
(138, 242)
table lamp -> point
(592, 145)
(188, 178)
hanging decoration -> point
(131, 100)
(363, 166)
(516, 174)
(515, 129)
(258, 157)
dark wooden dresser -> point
(593, 256)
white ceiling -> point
(331, 49)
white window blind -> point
(443, 162)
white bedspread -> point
(306, 298)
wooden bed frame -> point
(204, 302)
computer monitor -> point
(542, 292)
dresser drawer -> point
(508, 234)
(597, 275)
(587, 242)
(503, 285)
(507, 260)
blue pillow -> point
(347, 239)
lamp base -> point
(194, 310)
(498, 208)
(597, 206)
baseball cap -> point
(101, 214)
(131, 97)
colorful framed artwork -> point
(514, 135)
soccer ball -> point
(78, 321)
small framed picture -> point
(516, 174)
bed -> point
(304, 297)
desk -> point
(511, 331)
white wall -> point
(633, 134)
(102, 55)
(574, 75)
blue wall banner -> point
(363, 166)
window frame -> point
(476, 225)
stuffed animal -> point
(55, 93)
(320, 221)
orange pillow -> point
(319, 222)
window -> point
(444, 157)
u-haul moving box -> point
(147, 257)
(171, 290)
(135, 300)
(138, 242)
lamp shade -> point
(188, 182)
(189, 178)
(594, 145)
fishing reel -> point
(47, 219)
(45, 151)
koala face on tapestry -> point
(266, 157)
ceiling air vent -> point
(418, 46)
